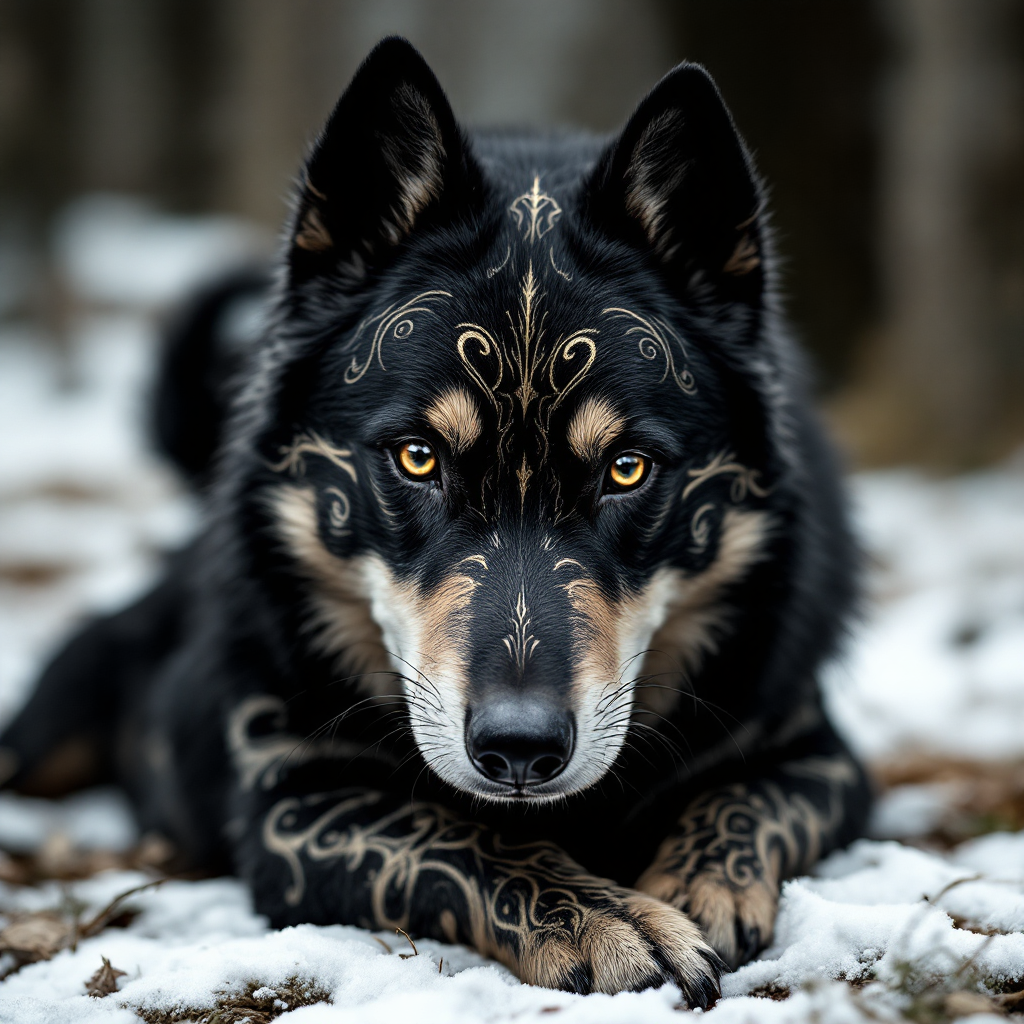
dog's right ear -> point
(390, 159)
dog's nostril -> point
(519, 743)
(544, 767)
(495, 767)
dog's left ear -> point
(391, 159)
(679, 182)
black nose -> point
(519, 742)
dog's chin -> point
(466, 779)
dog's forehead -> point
(524, 336)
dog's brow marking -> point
(744, 258)
(519, 375)
(396, 322)
(312, 444)
(593, 428)
(565, 561)
(535, 212)
(479, 559)
(455, 417)
(520, 643)
(652, 341)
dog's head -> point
(513, 453)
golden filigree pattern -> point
(259, 760)
(735, 845)
(419, 868)
(654, 338)
(700, 528)
(518, 376)
(535, 212)
(745, 479)
(293, 455)
(491, 271)
(395, 323)
(554, 266)
(520, 643)
(339, 512)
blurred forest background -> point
(891, 132)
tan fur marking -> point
(597, 639)
(341, 624)
(312, 235)
(718, 905)
(417, 169)
(674, 931)
(456, 418)
(694, 616)
(444, 624)
(645, 196)
(593, 428)
(744, 258)
(618, 954)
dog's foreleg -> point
(367, 858)
(734, 845)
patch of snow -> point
(119, 250)
(906, 812)
(938, 662)
(94, 819)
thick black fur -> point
(665, 223)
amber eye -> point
(628, 471)
(417, 460)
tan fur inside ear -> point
(593, 429)
(415, 155)
(456, 418)
(312, 235)
(654, 172)
(744, 258)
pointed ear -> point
(679, 182)
(390, 159)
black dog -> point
(523, 554)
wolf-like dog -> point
(523, 553)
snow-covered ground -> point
(934, 674)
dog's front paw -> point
(620, 940)
(738, 920)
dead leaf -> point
(104, 981)
(37, 936)
(41, 935)
(965, 1004)
(11, 871)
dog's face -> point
(512, 463)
